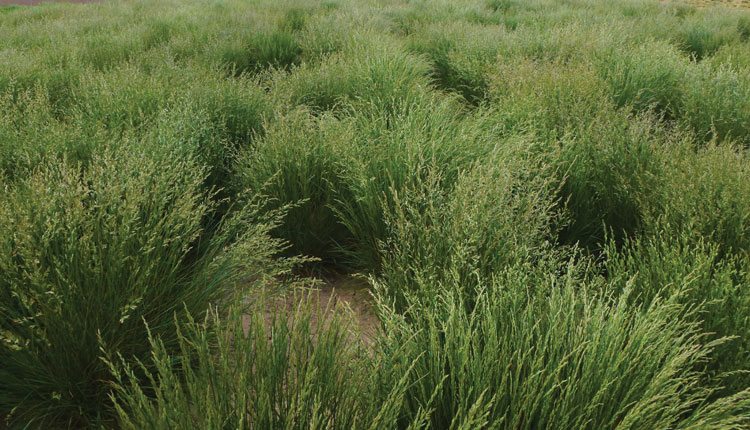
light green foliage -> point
(539, 352)
(461, 55)
(706, 193)
(693, 273)
(701, 35)
(298, 162)
(298, 371)
(550, 199)
(499, 213)
(88, 257)
(373, 70)
(716, 105)
(649, 76)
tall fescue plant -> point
(604, 157)
(104, 51)
(736, 55)
(379, 73)
(298, 162)
(404, 20)
(461, 56)
(679, 267)
(329, 32)
(217, 116)
(23, 70)
(125, 98)
(541, 351)
(551, 99)
(611, 173)
(716, 104)
(397, 150)
(295, 371)
(237, 108)
(89, 256)
(31, 135)
(256, 51)
(704, 193)
(499, 213)
(545, 42)
(702, 35)
(649, 76)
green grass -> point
(89, 256)
(550, 200)
(539, 352)
(287, 373)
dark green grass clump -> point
(550, 201)
(91, 254)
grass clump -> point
(716, 105)
(298, 162)
(277, 49)
(711, 205)
(89, 256)
(547, 98)
(382, 76)
(499, 213)
(398, 150)
(461, 56)
(290, 373)
(553, 356)
(611, 172)
(693, 273)
(648, 77)
(700, 37)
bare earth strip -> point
(741, 4)
(346, 296)
(745, 4)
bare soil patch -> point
(345, 296)
(741, 4)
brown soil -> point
(346, 296)
(741, 4)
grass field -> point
(539, 211)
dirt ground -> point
(343, 295)
(744, 4)
(741, 4)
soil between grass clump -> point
(345, 295)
